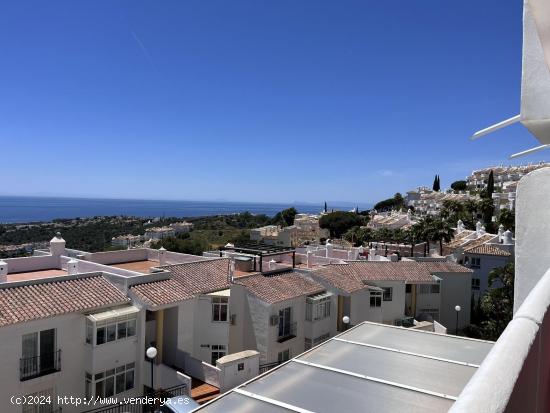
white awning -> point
(126, 310)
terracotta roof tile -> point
(279, 287)
(187, 280)
(355, 275)
(487, 249)
(51, 298)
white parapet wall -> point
(532, 232)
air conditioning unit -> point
(233, 319)
(274, 320)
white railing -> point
(515, 375)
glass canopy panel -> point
(435, 345)
(323, 391)
(420, 372)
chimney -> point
(394, 257)
(329, 249)
(372, 254)
(309, 255)
(3, 271)
(57, 245)
(459, 226)
(479, 229)
(162, 257)
(72, 267)
(500, 233)
(272, 265)
(507, 238)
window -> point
(285, 317)
(240, 367)
(408, 288)
(110, 382)
(376, 299)
(434, 288)
(218, 351)
(476, 282)
(318, 307)
(388, 294)
(475, 262)
(38, 354)
(118, 328)
(219, 308)
(283, 356)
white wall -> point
(532, 229)
(456, 289)
(231, 376)
(76, 358)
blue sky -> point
(254, 100)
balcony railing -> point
(287, 333)
(269, 366)
(41, 365)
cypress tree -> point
(490, 185)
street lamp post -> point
(457, 309)
(151, 353)
(345, 320)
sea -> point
(22, 209)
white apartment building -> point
(425, 201)
(482, 252)
(504, 176)
(387, 292)
(282, 314)
(275, 235)
(180, 227)
(127, 241)
(158, 233)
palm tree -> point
(440, 230)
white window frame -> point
(126, 323)
(217, 351)
(218, 304)
(318, 307)
(126, 372)
(377, 296)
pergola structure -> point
(261, 250)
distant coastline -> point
(22, 209)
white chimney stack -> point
(459, 226)
(309, 255)
(329, 249)
(162, 256)
(272, 265)
(72, 267)
(500, 232)
(394, 257)
(3, 271)
(57, 245)
(507, 238)
(372, 254)
(479, 228)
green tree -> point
(490, 185)
(497, 303)
(436, 185)
(285, 218)
(440, 231)
(459, 185)
(339, 222)
(359, 236)
(507, 219)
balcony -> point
(287, 333)
(38, 366)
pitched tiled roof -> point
(470, 243)
(459, 238)
(279, 287)
(488, 249)
(51, 298)
(356, 275)
(187, 281)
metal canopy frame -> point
(261, 250)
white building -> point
(388, 292)
(282, 314)
(181, 227)
(158, 233)
(275, 235)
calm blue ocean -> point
(31, 209)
